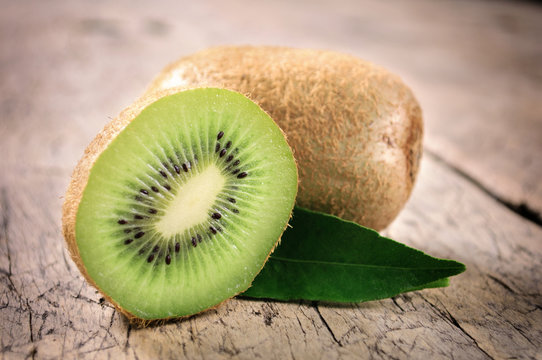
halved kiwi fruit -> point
(177, 204)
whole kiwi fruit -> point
(177, 203)
(355, 128)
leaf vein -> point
(322, 262)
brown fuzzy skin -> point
(355, 128)
(79, 181)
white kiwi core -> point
(192, 203)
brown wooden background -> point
(67, 67)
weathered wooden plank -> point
(493, 310)
(496, 303)
(66, 67)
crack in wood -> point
(30, 321)
(191, 330)
(4, 233)
(111, 322)
(34, 349)
(290, 346)
(33, 353)
(49, 290)
(108, 334)
(502, 283)
(383, 354)
(300, 325)
(4, 225)
(128, 332)
(520, 209)
(520, 331)
(269, 313)
(413, 346)
(100, 302)
(394, 299)
(89, 339)
(222, 348)
(90, 301)
(524, 296)
(43, 319)
(315, 306)
(445, 314)
(96, 350)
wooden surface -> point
(66, 68)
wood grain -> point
(493, 310)
(66, 68)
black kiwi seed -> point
(228, 144)
(155, 249)
(232, 200)
(168, 259)
(194, 243)
(235, 211)
(141, 251)
(199, 237)
(128, 241)
(186, 167)
(177, 247)
(154, 188)
(242, 175)
(162, 172)
(217, 147)
(236, 162)
(139, 234)
(222, 152)
(122, 222)
(213, 230)
(143, 191)
(235, 171)
(139, 217)
(220, 134)
(229, 158)
(153, 211)
(216, 216)
(150, 258)
(127, 231)
(177, 169)
(167, 187)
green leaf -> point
(322, 257)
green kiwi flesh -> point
(183, 207)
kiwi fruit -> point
(355, 128)
(178, 202)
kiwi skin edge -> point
(79, 181)
(356, 129)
